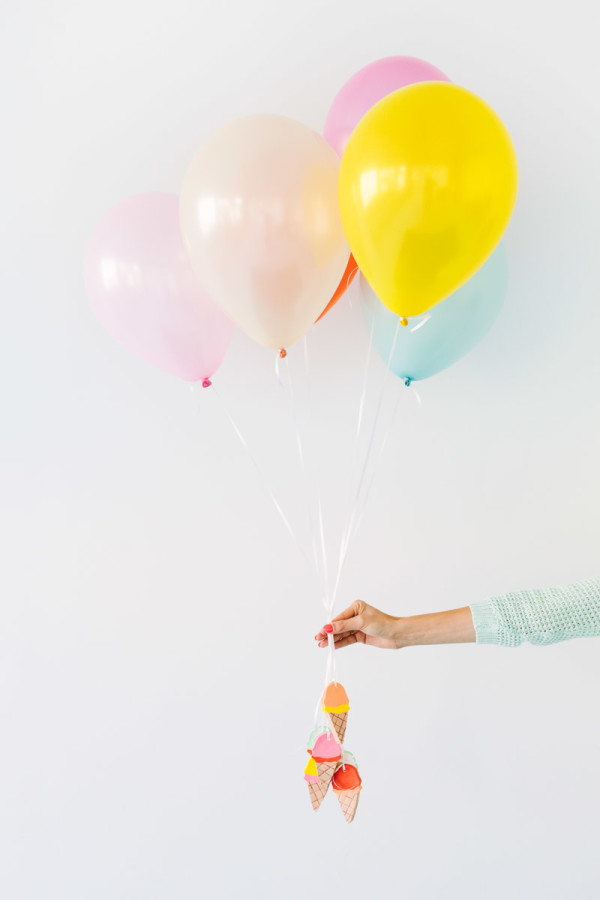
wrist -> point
(407, 631)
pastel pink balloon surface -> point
(367, 87)
(144, 291)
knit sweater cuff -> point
(485, 622)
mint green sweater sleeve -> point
(541, 616)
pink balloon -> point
(367, 87)
(146, 294)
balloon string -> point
(323, 554)
(413, 390)
(278, 372)
(321, 528)
(374, 470)
(420, 324)
(259, 472)
(382, 446)
(301, 455)
(416, 393)
(352, 518)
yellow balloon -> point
(427, 185)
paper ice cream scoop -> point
(347, 785)
(326, 748)
(315, 733)
(336, 705)
(346, 778)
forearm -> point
(453, 626)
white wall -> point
(158, 673)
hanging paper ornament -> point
(335, 703)
(347, 785)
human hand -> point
(362, 624)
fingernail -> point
(328, 629)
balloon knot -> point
(407, 382)
(282, 353)
(206, 382)
(404, 321)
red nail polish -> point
(328, 629)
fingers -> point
(340, 626)
(350, 620)
(343, 626)
(344, 640)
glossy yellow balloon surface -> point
(427, 185)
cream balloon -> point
(260, 219)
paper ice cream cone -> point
(335, 704)
(316, 792)
(338, 722)
(348, 801)
(325, 756)
(316, 789)
(326, 771)
(347, 784)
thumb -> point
(355, 609)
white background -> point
(157, 664)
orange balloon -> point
(347, 278)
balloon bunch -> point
(271, 228)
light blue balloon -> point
(440, 337)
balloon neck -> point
(407, 382)
(206, 382)
(282, 353)
(404, 321)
